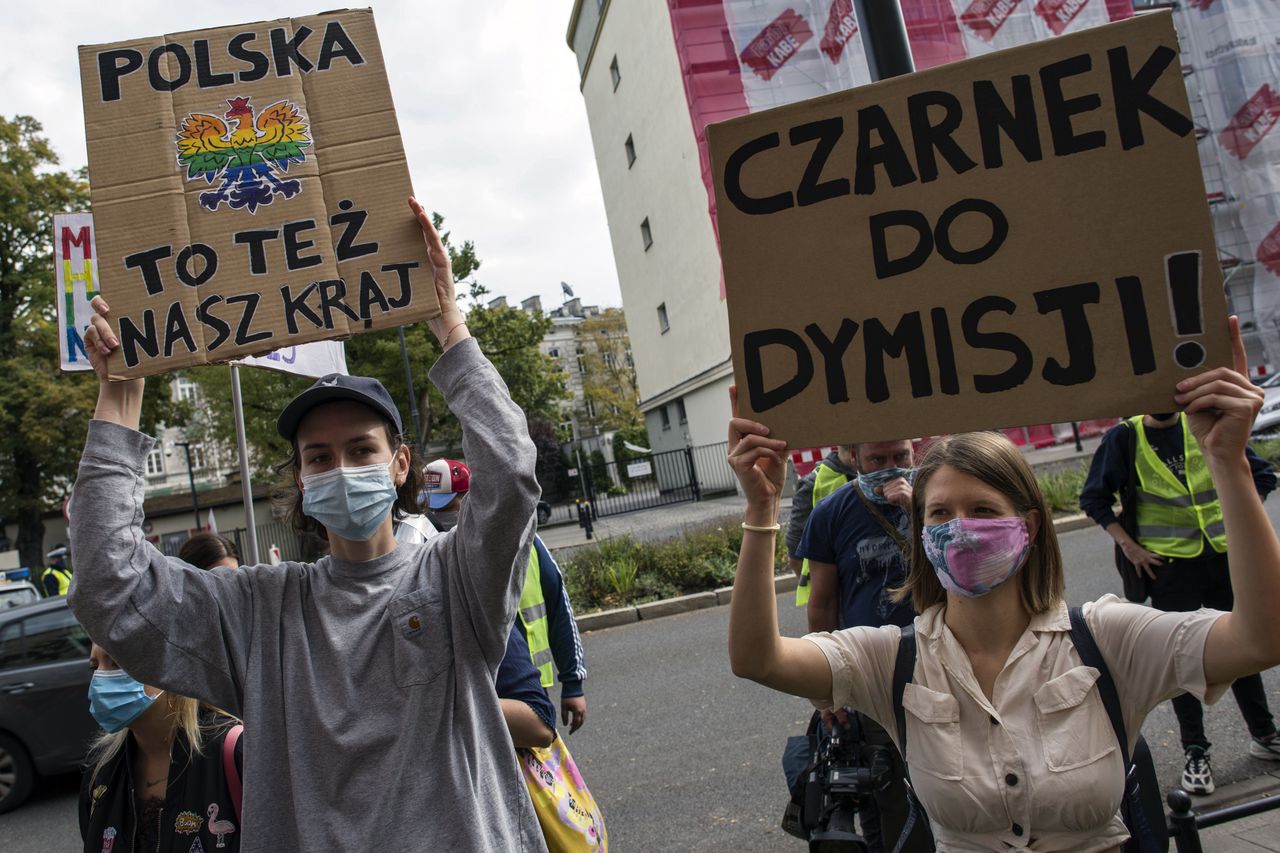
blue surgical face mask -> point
(868, 483)
(116, 699)
(350, 502)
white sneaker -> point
(1197, 778)
(1267, 748)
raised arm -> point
(166, 623)
(1221, 406)
(495, 527)
(757, 649)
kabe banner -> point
(955, 249)
(75, 263)
(249, 187)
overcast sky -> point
(487, 94)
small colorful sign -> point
(75, 261)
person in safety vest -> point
(857, 544)
(1181, 547)
(57, 577)
(816, 486)
(546, 616)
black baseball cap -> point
(334, 387)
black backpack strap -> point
(1082, 637)
(904, 669)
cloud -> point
(487, 95)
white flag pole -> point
(246, 485)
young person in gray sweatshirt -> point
(366, 679)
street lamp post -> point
(191, 477)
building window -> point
(630, 145)
(155, 462)
(684, 419)
(614, 73)
(197, 457)
(646, 234)
(666, 418)
(187, 390)
(591, 409)
(663, 324)
(553, 352)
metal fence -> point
(656, 479)
(1185, 825)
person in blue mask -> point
(366, 677)
(165, 774)
(856, 542)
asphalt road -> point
(683, 756)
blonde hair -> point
(183, 715)
(993, 459)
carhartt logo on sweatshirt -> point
(414, 623)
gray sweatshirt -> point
(366, 689)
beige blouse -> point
(1038, 768)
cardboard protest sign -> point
(1014, 239)
(249, 187)
(75, 264)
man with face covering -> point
(856, 543)
(365, 678)
(1181, 548)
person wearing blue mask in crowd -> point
(365, 678)
(857, 543)
(165, 774)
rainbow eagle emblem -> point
(244, 159)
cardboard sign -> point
(1015, 239)
(249, 187)
(75, 262)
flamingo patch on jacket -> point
(218, 827)
(246, 159)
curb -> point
(670, 606)
(1253, 788)
(720, 597)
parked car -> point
(45, 725)
(1269, 418)
(17, 593)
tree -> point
(509, 337)
(609, 375)
(45, 413)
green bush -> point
(622, 571)
(1268, 449)
(1062, 488)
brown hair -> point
(993, 459)
(204, 549)
(286, 499)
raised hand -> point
(759, 462)
(1221, 404)
(118, 402)
(450, 327)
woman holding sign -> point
(1008, 737)
(366, 678)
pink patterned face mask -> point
(973, 556)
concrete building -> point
(663, 243)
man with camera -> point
(857, 543)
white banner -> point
(791, 50)
(75, 260)
(316, 359)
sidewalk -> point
(1248, 835)
(664, 522)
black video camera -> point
(844, 775)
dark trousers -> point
(882, 822)
(1182, 585)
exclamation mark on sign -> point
(1182, 271)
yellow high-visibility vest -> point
(1174, 519)
(64, 579)
(533, 615)
(825, 484)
